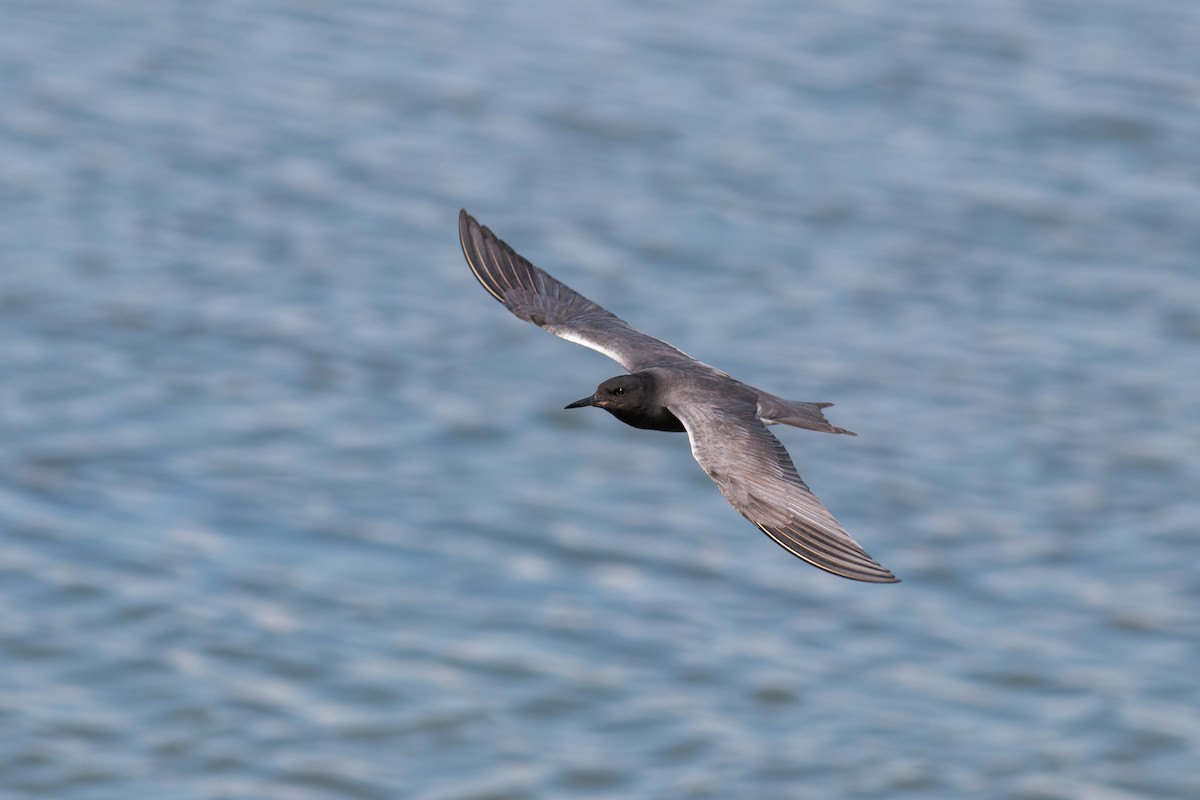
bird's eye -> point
(619, 390)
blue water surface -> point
(289, 508)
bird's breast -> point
(655, 419)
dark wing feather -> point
(536, 297)
(757, 477)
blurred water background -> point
(289, 508)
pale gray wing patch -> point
(535, 296)
(756, 475)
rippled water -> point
(289, 508)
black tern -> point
(667, 390)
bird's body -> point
(667, 390)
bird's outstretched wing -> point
(536, 297)
(756, 475)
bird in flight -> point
(667, 390)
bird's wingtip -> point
(852, 562)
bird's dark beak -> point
(587, 401)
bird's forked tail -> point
(772, 409)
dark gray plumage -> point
(726, 420)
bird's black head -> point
(634, 400)
(623, 391)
